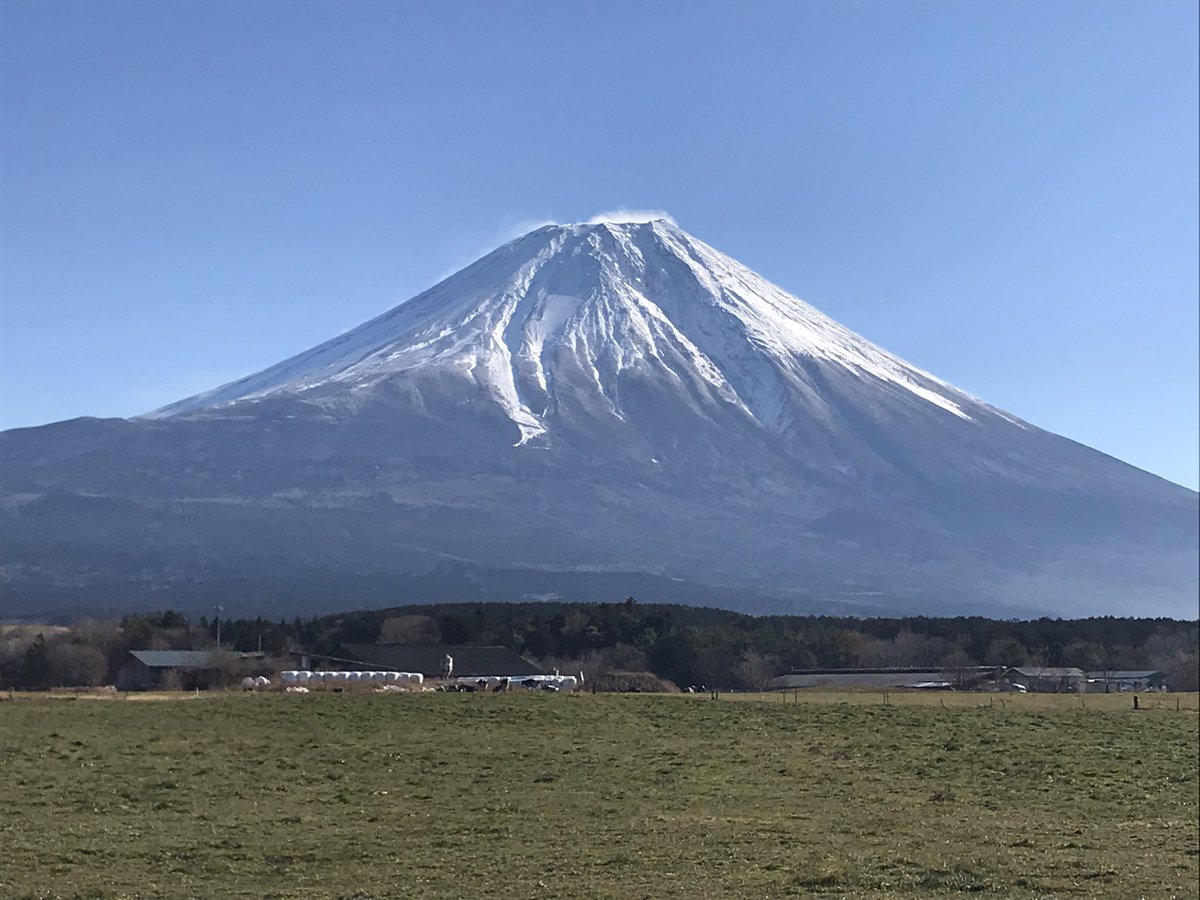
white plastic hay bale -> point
(247, 683)
(567, 683)
(289, 676)
(378, 676)
(303, 676)
(392, 677)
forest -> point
(686, 645)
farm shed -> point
(1115, 681)
(1047, 679)
(896, 677)
(153, 669)
(469, 661)
(150, 669)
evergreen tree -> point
(35, 670)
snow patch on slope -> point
(787, 325)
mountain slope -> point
(611, 397)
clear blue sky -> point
(1003, 193)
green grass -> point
(442, 795)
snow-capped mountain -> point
(621, 397)
(597, 301)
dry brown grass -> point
(372, 796)
(1186, 702)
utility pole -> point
(219, 610)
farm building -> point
(896, 677)
(1047, 680)
(150, 669)
(428, 659)
(1115, 681)
(187, 669)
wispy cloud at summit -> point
(627, 216)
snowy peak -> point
(570, 313)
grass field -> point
(527, 795)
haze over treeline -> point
(687, 645)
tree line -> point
(686, 645)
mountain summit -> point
(610, 401)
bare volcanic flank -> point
(597, 401)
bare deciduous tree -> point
(1006, 652)
(755, 669)
(1177, 658)
(957, 665)
(77, 665)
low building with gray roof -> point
(157, 669)
(1115, 681)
